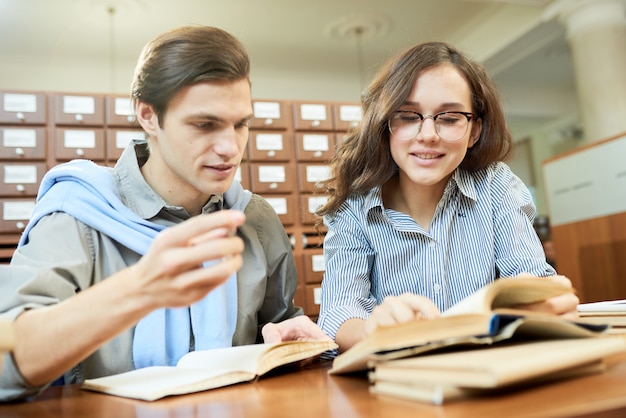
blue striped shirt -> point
(481, 230)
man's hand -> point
(172, 273)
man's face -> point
(203, 137)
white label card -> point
(348, 113)
(279, 204)
(315, 142)
(20, 174)
(19, 138)
(83, 105)
(315, 202)
(79, 139)
(17, 211)
(317, 296)
(313, 112)
(266, 110)
(272, 174)
(123, 138)
(20, 103)
(315, 173)
(317, 263)
(269, 142)
(123, 107)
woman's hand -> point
(564, 305)
(397, 309)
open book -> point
(207, 369)
(438, 378)
(484, 317)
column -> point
(596, 32)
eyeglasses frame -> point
(469, 115)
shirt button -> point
(437, 287)
(431, 243)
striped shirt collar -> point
(461, 180)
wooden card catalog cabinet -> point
(308, 206)
(314, 265)
(285, 207)
(270, 114)
(346, 115)
(22, 143)
(309, 116)
(15, 214)
(243, 175)
(313, 299)
(72, 143)
(310, 174)
(272, 178)
(84, 110)
(20, 179)
(118, 139)
(23, 108)
(299, 298)
(315, 146)
(120, 112)
(270, 146)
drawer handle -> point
(20, 225)
(273, 186)
(130, 118)
(315, 123)
(271, 153)
(20, 188)
(80, 152)
(20, 116)
(317, 153)
(78, 117)
(19, 151)
(268, 121)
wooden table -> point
(311, 392)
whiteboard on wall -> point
(588, 184)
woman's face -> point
(428, 160)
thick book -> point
(207, 369)
(485, 317)
(440, 378)
(612, 312)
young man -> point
(136, 265)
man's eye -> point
(204, 125)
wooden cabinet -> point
(288, 153)
(23, 108)
(23, 149)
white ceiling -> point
(527, 55)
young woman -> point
(422, 210)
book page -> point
(151, 383)
(244, 358)
(508, 292)
(604, 306)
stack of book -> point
(7, 338)
(611, 312)
(481, 346)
